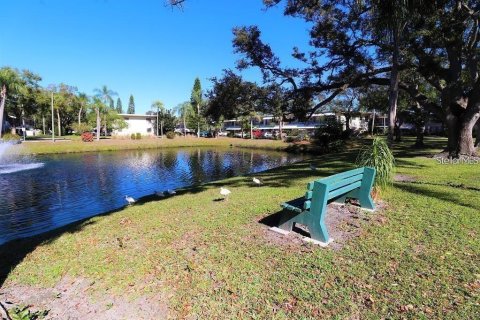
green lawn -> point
(213, 259)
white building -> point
(137, 123)
(269, 123)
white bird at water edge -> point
(171, 192)
(159, 194)
(257, 181)
(130, 200)
(224, 192)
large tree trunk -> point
(43, 124)
(420, 131)
(3, 95)
(465, 135)
(98, 123)
(393, 94)
(477, 141)
(59, 124)
(452, 133)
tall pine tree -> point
(112, 104)
(119, 106)
(131, 105)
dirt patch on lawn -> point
(70, 300)
(344, 223)
(404, 178)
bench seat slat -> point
(310, 185)
(341, 183)
(291, 208)
(343, 175)
(308, 195)
(306, 205)
(343, 190)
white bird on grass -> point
(171, 192)
(159, 194)
(257, 181)
(224, 192)
(130, 200)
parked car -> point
(206, 134)
(268, 135)
(222, 133)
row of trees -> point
(427, 51)
(22, 97)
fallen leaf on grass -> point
(406, 308)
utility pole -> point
(23, 124)
(373, 121)
(251, 129)
(157, 119)
(53, 122)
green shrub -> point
(329, 134)
(138, 136)
(170, 135)
(378, 156)
(80, 128)
(11, 137)
(132, 136)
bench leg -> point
(286, 221)
(318, 231)
(366, 202)
(364, 197)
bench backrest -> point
(338, 184)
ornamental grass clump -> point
(378, 156)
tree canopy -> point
(440, 47)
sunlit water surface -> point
(47, 192)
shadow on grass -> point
(274, 219)
(444, 196)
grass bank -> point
(213, 259)
(72, 146)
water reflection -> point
(68, 188)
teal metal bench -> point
(311, 209)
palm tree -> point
(98, 106)
(105, 95)
(159, 107)
(83, 100)
(183, 110)
(9, 81)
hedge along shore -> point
(193, 256)
(32, 147)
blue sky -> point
(136, 47)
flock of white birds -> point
(224, 192)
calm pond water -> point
(68, 188)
